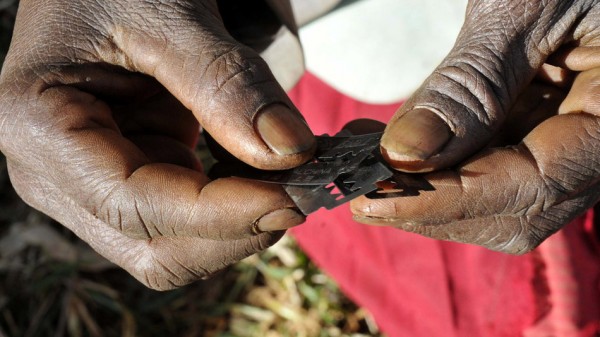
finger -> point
(462, 105)
(159, 263)
(580, 58)
(537, 102)
(165, 200)
(86, 157)
(584, 94)
(269, 28)
(227, 85)
(168, 263)
(507, 199)
(364, 126)
(469, 194)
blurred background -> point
(52, 284)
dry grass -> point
(51, 284)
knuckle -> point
(529, 200)
(470, 101)
(470, 83)
(563, 179)
(566, 178)
(163, 273)
(168, 13)
(151, 280)
(121, 210)
(556, 178)
(232, 66)
(570, 166)
(528, 232)
(519, 245)
(503, 233)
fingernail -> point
(416, 136)
(279, 220)
(284, 131)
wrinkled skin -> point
(510, 123)
(101, 104)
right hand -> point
(100, 108)
(509, 122)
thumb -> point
(460, 107)
(227, 85)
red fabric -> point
(416, 286)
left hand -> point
(101, 104)
(508, 81)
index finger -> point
(227, 85)
(506, 199)
(85, 156)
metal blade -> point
(344, 168)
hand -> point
(522, 73)
(100, 108)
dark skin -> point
(101, 104)
(513, 112)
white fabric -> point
(285, 59)
(379, 51)
(307, 10)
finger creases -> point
(160, 263)
(473, 89)
(140, 189)
(169, 263)
(163, 200)
(228, 86)
(467, 192)
(506, 199)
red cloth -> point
(416, 286)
